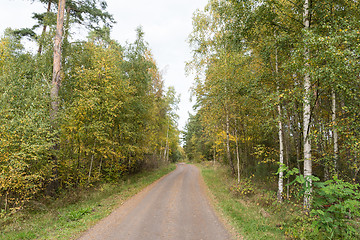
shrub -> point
(335, 209)
(243, 188)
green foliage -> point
(335, 209)
(75, 210)
(336, 205)
(249, 220)
(193, 139)
(243, 188)
(25, 132)
(76, 215)
(249, 63)
(115, 117)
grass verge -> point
(247, 216)
(73, 213)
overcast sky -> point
(166, 23)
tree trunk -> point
(101, 160)
(56, 78)
(54, 92)
(335, 134)
(166, 151)
(281, 157)
(237, 156)
(228, 154)
(44, 30)
(287, 159)
(6, 201)
(281, 140)
(66, 34)
(306, 120)
(91, 163)
(214, 154)
(298, 136)
(160, 153)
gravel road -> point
(173, 208)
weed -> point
(243, 188)
(76, 215)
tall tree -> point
(56, 76)
(45, 25)
(307, 111)
(280, 133)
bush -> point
(336, 208)
(244, 188)
(335, 212)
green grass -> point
(244, 215)
(73, 213)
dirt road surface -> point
(174, 208)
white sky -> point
(166, 23)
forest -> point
(78, 112)
(276, 110)
(277, 101)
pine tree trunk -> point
(306, 120)
(56, 78)
(44, 30)
(54, 92)
(66, 35)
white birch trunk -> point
(281, 140)
(335, 134)
(281, 157)
(228, 143)
(237, 156)
(307, 112)
(166, 152)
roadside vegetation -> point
(251, 210)
(75, 211)
(277, 93)
(77, 119)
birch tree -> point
(280, 133)
(307, 112)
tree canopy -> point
(277, 88)
(114, 115)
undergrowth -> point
(252, 207)
(252, 212)
(74, 211)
